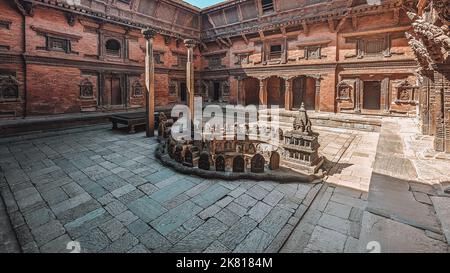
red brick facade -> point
(346, 59)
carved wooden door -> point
(372, 95)
(113, 88)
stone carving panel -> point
(9, 88)
(86, 89)
(220, 163)
(204, 162)
(238, 164)
(257, 164)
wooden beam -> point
(331, 25)
(305, 28)
(219, 43)
(261, 34)
(205, 47)
(245, 39)
(396, 16)
(341, 23)
(230, 43)
(378, 31)
(355, 22)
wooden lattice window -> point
(371, 47)
(5, 24)
(157, 57)
(276, 50)
(182, 60)
(267, 6)
(113, 47)
(243, 59)
(58, 44)
(215, 62)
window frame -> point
(108, 51)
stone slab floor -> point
(105, 190)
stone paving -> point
(105, 190)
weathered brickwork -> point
(74, 62)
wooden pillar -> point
(149, 34)
(239, 90)
(385, 93)
(262, 91)
(317, 95)
(190, 83)
(358, 91)
(288, 94)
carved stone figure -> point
(238, 164)
(220, 163)
(257, 164)
(178, 155)
(251, 148)
(188, 158)
(274, 161)
(204, 162)
(86, 89)
(344, 90)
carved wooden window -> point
(276, 50)
(267, 6)
(138, 90)
(243, 59)
(173, 88)
(225, 88)
(86, 89)
(215, 62)
(157, 57)
(58, 44)
(5, 24)
(312, 52)
(113, 47)
(373, 47)
(182, 60)
(9, 88)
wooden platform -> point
(131, 120)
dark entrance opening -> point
(372, 95)
(183, 92)
(303, 89)
(216, 95)
(112, 86)
(251, 91)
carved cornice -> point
(105, 17)
(94, 65)
(43, 31)
(322, 12)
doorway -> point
(183, 92)
(216, 91)
(304, 91)
(372, 95)
(114, 89)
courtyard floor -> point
(105, 190)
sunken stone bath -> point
(293, 157)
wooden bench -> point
(131, 120)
